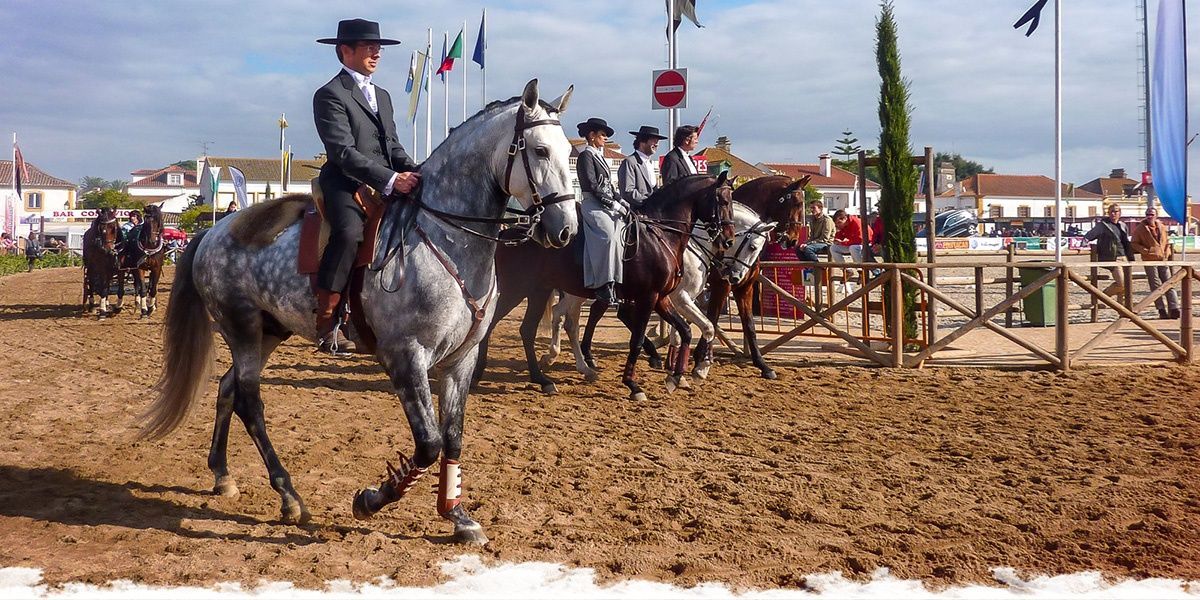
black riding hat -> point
(595, 124)
(358, 30)
(648, 131)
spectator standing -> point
(1150, 239)
(1112, 244)
(33, 251)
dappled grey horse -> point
(429, 304)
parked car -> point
(953, 223)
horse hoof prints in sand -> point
(429, 305)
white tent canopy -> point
(176, 204)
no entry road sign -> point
(669, 89)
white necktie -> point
(369, 91)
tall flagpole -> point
(463, 58)
(483, 68)
(428, 105)
(282, 126)
(1058, 131)
(10, 205)
(445, 88)
(672, 116)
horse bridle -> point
(531, 216)
(101, 239)
(145, 227)
(759, 229)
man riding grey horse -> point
(354, 119)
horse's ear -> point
(796, 185)
(772, 225)
(529, 97)
(562, 101)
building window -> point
(1048, 211)
(995, 211)
(1070, 212)
(1023, 212)
(174, 178)
(1093, 211)
(33, 201)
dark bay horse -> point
(429, 298)
(775, 198)
(100, 262)
(661, 231)
(143, 255)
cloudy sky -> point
(104, 88)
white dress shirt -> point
(691, 164)
(368, 89)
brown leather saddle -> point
(314, 236)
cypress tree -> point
(897, 175)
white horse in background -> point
(749, 241)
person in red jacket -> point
(848, 239)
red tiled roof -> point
(37, 177)
(1017, 186)
(612, 150)
(159, 178)
(267, 169)
(838, 177)
(1109, 186)
(738, 167)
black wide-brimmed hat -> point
(648, 131)
(358, 30)
(595, 124)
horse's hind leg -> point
(635, 316)
(152, 293)
(533, 314)
(451, 406)
(242, 329)
(224, 484)
(599, 307)
(138, 288)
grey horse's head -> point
(537, 168)
(750, 238)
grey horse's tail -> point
(187, 352)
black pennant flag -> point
(1031, 16)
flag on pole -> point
(683, 8)
(703, 121)
(441, 72)
(1033, 16)
(1168, 110)
(20, 171)
(481, 41)
(448, 57)
(209, 182)
(239, 186)
(412, 72)
(414, 97)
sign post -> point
(669, 89)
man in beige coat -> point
(1150, 239)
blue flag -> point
(481, 41)
(441, 72)
(1168, 111)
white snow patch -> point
(469, 577)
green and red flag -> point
(454, 52)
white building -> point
(40, 197)
(1023, 200)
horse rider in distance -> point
(354, 119)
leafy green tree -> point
(898, 176)
(187, 164)
(188, 218)
(963, 168)
(93, 183)
(108, 198)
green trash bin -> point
(1041, 307)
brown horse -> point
(100, 265)
(661, 229)
(774, 198)
(143, 254)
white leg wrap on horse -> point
(449, 486)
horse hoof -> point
(470, 534)
(546, 361)
(638, 396)
(685, 383)
(702, 370)
(549, 389)
(655, 363)
(769, 374)
(225, 487)
(672, 384)
(361, 508)
(591, 376)
(293, 513)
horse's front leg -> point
(687, 308)
(529, 325)
(139, 289)
(635, 316)
(120, 277)
(152, 300)
(718, 294)
(744, 295)
(408, 369)
(675, 378)
(455, 382)
(599, 307)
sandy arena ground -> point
(938, 474)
